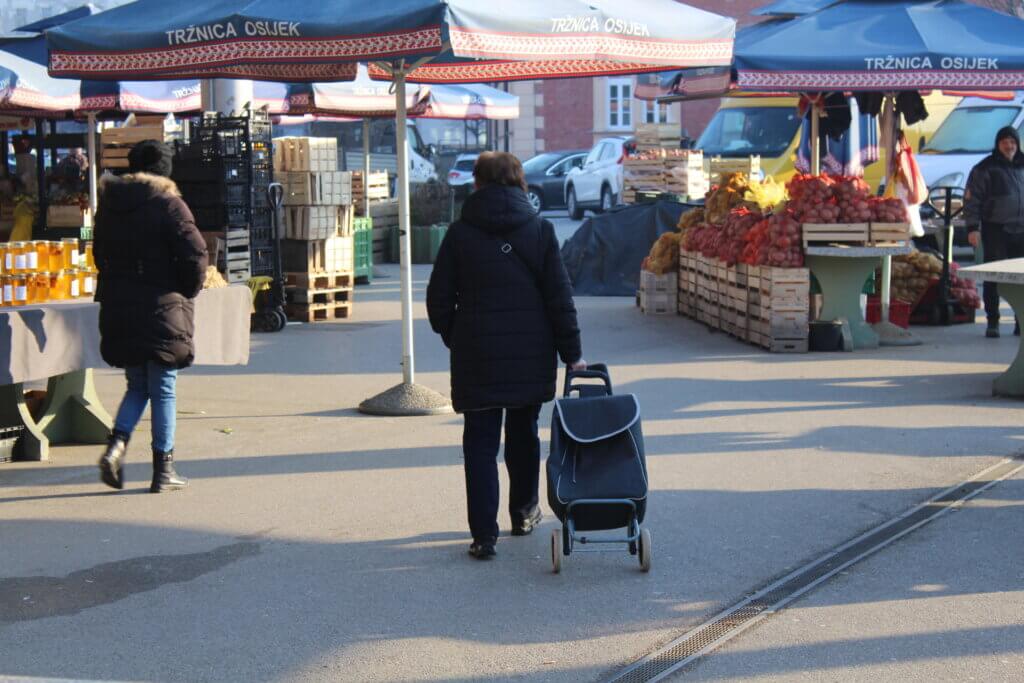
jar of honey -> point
(70, 252)
(19, 284)
(38, 287)
(17, 258)
(37, 256)
(88, 282)
(58, 288)
(5, 249)
(90, 260)
(56, 259)
(7, 289)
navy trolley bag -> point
(596, 470)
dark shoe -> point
(112, 461)
(482, 549)
(524, 527)
(164, 476)
(992, 331)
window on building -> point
(620, 101)
(654, 112)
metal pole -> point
(815, 142)
(41, 177)
(404, 228)
(366, 164)
(91, 151)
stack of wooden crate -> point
(716, 167)
(115, 143)
(657, 136)
(376, 186)
(318, 249)
(684, 173)
(762, 305)
(642, 173)
(658, 293)
(855, 234)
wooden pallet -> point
(309, 313)
(319, 296)
(319, 281)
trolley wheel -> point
(280, 320)
(645, 550)
(556, 550)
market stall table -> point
(60, 342)
(841, 272)
(1009, 275)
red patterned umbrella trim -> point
(880, 80)
(22, 98)
(186, 60)
(481, 72)
(517, 46)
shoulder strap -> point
(507, 248)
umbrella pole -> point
(815, 141)
(366, 164)
(91, 151)
(404, 229)
(408, 398)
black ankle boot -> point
(112, 460)
(164, 476)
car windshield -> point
(464, 164)
(970, 130)
(540, 162)
(767, 131)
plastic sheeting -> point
(603, 257)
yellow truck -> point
(769, 127)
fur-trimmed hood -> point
(127, 192)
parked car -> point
(597, 185)
(461, 173)
(545, 176)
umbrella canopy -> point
(470, 41)
(792, 8)
(25, 85)
(869, 45)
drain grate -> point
(691, 646)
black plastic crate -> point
(217, 217)
(198, 170)
(209, 194)
(261, 260)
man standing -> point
(994, 202)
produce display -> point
(725, 197)
(664, 256)
(914, 274)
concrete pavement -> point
(317, 544)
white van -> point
(966, 137)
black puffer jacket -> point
(152, 262)
(995, 193)
(500, 298)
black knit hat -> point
(1007, 132)
(150, 156)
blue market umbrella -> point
(429, 41)
(26, 86)
(867, 45)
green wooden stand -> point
(842, 279)
(1011, 382)
(72, 414)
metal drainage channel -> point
(691, 646)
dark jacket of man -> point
(152, 263)
(501, 300)
(995, 193)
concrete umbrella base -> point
(407, 399)
(894, 335)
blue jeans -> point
(150, 382)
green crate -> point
(425, 243)
(362, 230)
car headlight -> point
(949, 180)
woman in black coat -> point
(152, 263)
(501, 300)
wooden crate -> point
(131, 135)
(377, 186)
(310, 222)
(324, 188)
(235, 246)
(657, 135)
(305, 154)
(309, 313)
(821, 234)
(890, 233)
(334, 254)
(716, 167)
(67, 216)
(659, 284)
(384, 213)
(658, 303)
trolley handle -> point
(593, 371)
(275, 195)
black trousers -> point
(998, 245)
(481, 437)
